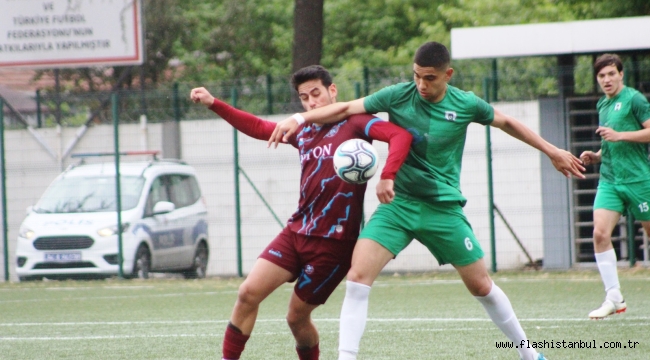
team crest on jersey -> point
(309, 269)
(450, 115)
(617, 106)
(335, 129)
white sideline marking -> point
(285, 287)
(385, 320)
(103, 337)
(111, 287)
(126, 296)
(104, 323)
(261, 333)
(495, 277)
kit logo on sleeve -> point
(275, 253)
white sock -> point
(609, 273)
(498, 307)
(354, 313)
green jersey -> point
(432, 169)
(624, 162)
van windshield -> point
(89, 194)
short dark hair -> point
(432, 54)
(311, 72)
(607, 60)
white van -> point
(72, 230)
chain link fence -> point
(38, 146)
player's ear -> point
(332, 90)
(448, 73)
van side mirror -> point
(163, 207)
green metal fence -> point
(245, 215)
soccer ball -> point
(355, 161)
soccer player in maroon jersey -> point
(315, 248)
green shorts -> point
(634, 197)
(442, 227)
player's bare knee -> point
(357, 276)
(479, 285)
(247, 295)
(481, 288)
(601, 237)
(297, 320)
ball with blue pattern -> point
(356, 161)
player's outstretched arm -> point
(201, 95)
(323, 115)
(562, 160)
(245, 122)
(590, 157)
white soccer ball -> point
(356, 161)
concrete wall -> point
(558, 244)
(208, 146)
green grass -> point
(417, 316)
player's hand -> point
(567, 164)
(283, 131)
(201, 95)
(590, 157)
(609, 134)
(385, 192)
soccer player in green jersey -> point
(427, 204)
(624, 184)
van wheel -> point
(142, 264)
(200, 263)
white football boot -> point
(608, 308)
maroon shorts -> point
(318, 264)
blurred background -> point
(245, 51)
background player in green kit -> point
(428, 202)
(624, 184)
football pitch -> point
(413, 316)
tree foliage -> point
(232, 38)
(229, 39)
(216, 40)
(589, 9)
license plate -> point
(63, 257)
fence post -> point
(357, 90)
(366, 81)
(5, 240)
(177, 104)
(39, 115)
(235, 151)
(118, 190)
(488, 153)
(143, 93)
(57, 94)
(635, 72)
(269, 94)
(630, 238)
(494, 81)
